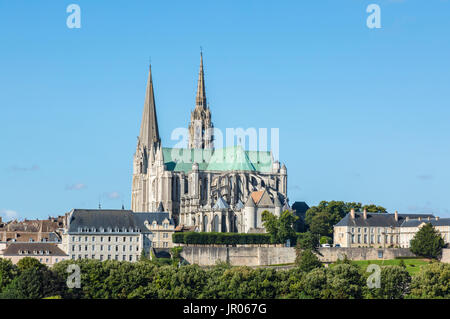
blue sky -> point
(363, 113)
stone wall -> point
(445, 255)
(238, 256)
(331, 254)
(264, 256)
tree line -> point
(30, 279)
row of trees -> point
(145, 279)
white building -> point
(115, 234)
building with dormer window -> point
(95, 233)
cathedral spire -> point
(200, 100)
(149, 134)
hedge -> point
(220, 238)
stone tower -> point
(148, 155)
(200, 128)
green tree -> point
(307, 240)
(433, 281)
(344, 281)
(30, 263)
(307, 261)
(280, 228)
(325, 240)
(33, 283)
(427, 242)
(395, 283)
(321, 218)
(7, 272)
(374, 208)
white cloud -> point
(33, 168)
(113, 195)
(8, 214)
(77, 186)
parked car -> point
(326, 245)
(337, 245)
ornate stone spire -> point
(200, 100)
(201, 127)
(149, 135)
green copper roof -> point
(233, 158)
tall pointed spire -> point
(149, 135)
(200, 100)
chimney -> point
(437, 217)
(396, 216)
(365, 213)
(429, 218)
(420, 218)
(407, 218)
(352, 213)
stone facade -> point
(382, 230)
(47, 253)
(201, 186)
(249, 255)
(116, 234)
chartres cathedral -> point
(204, 188)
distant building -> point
(300, 209)
(411, 226)
(115, 234)
(364, 229)
(46, 230)
(47, 253)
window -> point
(93, 256)
(365, 238)
(359, 239)
(380, 254)
(101, 257)
(109, 257)
(56, 260)
(131, 257)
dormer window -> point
(47, 252)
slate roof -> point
(14, 248)
(377, 219)
(221, 204)
(233, 158)
(100, 218)
(432, 221)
